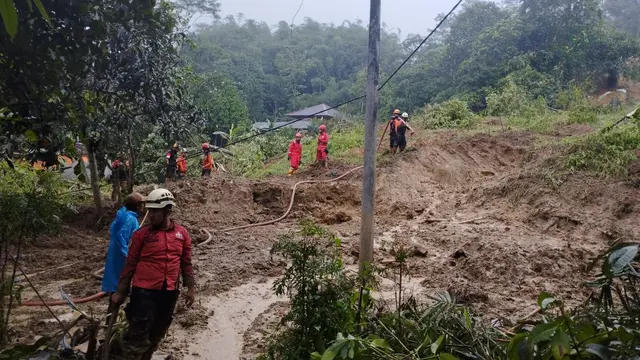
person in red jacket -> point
(158, 254)
(322, 151)
(295, 154)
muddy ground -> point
(483, 215)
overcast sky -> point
(411, 16)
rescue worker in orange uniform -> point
(207, 160)
(322, 151)
(393, 133)
(295, 154)
(182, 164)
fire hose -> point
(95, 274)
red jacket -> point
(158, 256)
(295, 149)
(323, 141)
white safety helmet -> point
(405, 115)
(159, 199)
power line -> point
(419, 46)
(319, 112)
(297, 12)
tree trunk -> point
(95, 179)
(132, 165)
(3, 324)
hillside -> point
(477, 210)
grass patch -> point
(451, 114)
(604, 154)
(345, 145)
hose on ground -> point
(91, 298)
(293, 195)
(96, 274)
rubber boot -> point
(291, 171)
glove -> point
(289, 158)
(326, 151)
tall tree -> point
(624, 14)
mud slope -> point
(477, 213)
(503, 234)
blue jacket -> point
(125, 224)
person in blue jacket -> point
(120, 232)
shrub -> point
(511, 100)
(605, 154)
(453, 113)
(321, 293)
(583, 115)
(30, 205)
(571, 97)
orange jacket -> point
(182, 164)
(207, 162)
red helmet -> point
(298, 135)
(205, 146)
(323, 128)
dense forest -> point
(116, 77)
(543, 45)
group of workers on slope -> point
(176, 168)
(398, 126)
(144, 264)
(295, 150)
(177, 164)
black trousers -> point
(149, 313)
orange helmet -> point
(205, 146)
(298, 135)
(396, 112)
(322, 128)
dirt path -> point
(233, 312)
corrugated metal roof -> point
(321, 110)
(298, 125)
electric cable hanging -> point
(294, 16)
(319, 112)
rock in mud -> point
(418, 251)
(459, 254)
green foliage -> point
(632, 69)
(605, 154)
(570, 98)
(453, 113)
(30, 205)
(9, 14)
(251, 159)
(544, 46)
(511, 100)
(624, 14)
(321, 293)
(606, 327)
(219, 102)
(583, 115)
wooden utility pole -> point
(369, 175)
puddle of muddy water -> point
(233, 313)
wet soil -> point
(482, 216)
